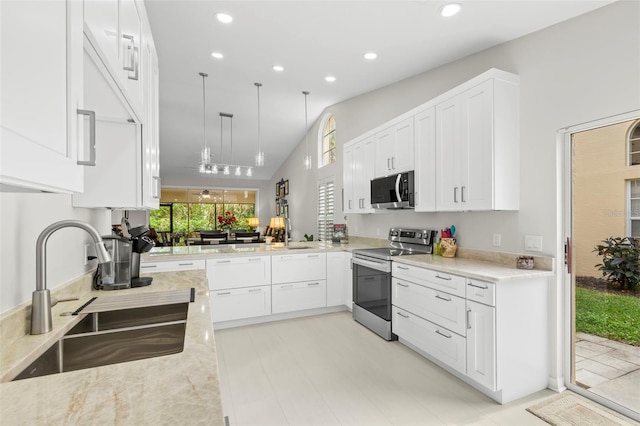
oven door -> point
(372, 287)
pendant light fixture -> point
(260, 154)
(205, 154)
(307, 158)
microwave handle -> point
(398, 179)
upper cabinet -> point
(42, 144)
(358, 170)
(477, 148)
(425, 172)
(394, 149)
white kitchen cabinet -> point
(441, 308)
(339, 288)
(298, 296)
(151, 185)
(481, 344)
(441, 281)
(237, 272)
(289, 268)
(440, 343)
(101, 20)
(171, 265)
(240, 303)
(358, 170)
(394, 152)
(131, 52)
(477, 147)
(425, 162)
(42, 128)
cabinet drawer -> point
(436, 306)
(233, 304)
(452, 284)
(290, 268)
(172, 265)
(481, 292)
(238, 272)
(440, 343)
(299, 296)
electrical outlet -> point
(533, 242)
(497, 240)
(86, 254)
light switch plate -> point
(497, 240)
(533, 242)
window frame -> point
(630, 139)
(321, 136)
(632, 216)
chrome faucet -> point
(41, 301)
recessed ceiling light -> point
(330, 78)
(217, 55)
(450, 9)
(278, 68)
(370, 56)
(224, 18)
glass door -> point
(602, 190)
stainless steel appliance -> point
(393, 192)
(372, 277)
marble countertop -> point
(181, 388)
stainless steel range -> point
(372, 277)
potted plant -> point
(620, 261)
(226, 221)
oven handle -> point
(378, 265)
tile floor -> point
(329, 370)
(609, 369)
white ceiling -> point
(310, 39)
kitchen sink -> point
(104, 338)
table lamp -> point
(278, 223)
(253, 223)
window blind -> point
(325, 210)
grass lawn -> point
(608, 315)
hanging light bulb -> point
(259, 155)
(249, 173)
(307, 158)
(205, 154)
(238, 171)
(226, 169)
(214, 169)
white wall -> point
(580, 70)
(22, 219)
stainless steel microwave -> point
(393, 192)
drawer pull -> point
(478, 286)
(254, 290)
(443, 278)
(185, 264)
(403, 315)
(149, 266)
(468, 320)
(448, 336)
(446, 299)
(255, 259)
(223, 261)
(312, 284)
(286, 286)
(404, 268)
(223, 293)
(313, 255)
(403, 285)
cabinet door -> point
(40, 127)
(425, 164)
(131, 49)
(151, 148)
(477, 154)
(481, 344)
(290, 268)
(338, 277)
(403, 158)
(228, 305)
(235, 272)
(348, 173)
(298, 296)
(448, 155)
(438, 342)
(384, 152)
(101, 20)
(366, 174)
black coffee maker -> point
(124, 269)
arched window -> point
(634, 145)
(327, 143)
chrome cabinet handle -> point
(185, 264)
(388, 166)
(462, 194)
(223, 293)
(255, 290)
(92, 138)
(136, 65)
(349, 204)
(404, 268)
(156, 187)
(312, 284)
(478, 286)
(286, 286)
(313, 255)
(443, 278)
(393, 163)
(403, 315)
(223, 261)
(448, 336)
(446, 299)
(455, 194)
(403, 285)
(131, 46)
(148, 266)
(468, 320)
(255, 259)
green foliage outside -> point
(620, 261)
(194, 217)
(608, 315)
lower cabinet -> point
(442, 344)
(171, 266)
(233, 304)
(481, 344)
(299, 296)
(339, 288)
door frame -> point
(563, 140)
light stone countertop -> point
(181, 388)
